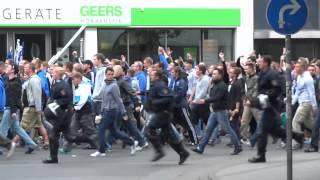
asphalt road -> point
(214, 164)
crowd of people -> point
(158, 101)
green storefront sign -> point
(105, 15)
(185, 17)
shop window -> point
(112, 43)
(145, 42)
(33, 45)
(183, 42)
(60, 37)
(215, 41)
(3, 47)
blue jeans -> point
(218, 117)
(8, 122)
(315, 131)
(215, 134)
(96, 107)
(132, 128)
(109, 121)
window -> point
(215, 41)
(112, 43)
(300, 48)
(183, 42)
(3, 47)
(33, 45)
(60, 37)
(145, 42)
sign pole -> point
(287, 17)
(288, 106)
(56, 57)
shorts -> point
(30, 119)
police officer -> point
(269, 98)
(159, 104)
(58, 113)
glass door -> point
(33, 45)
(3, 47)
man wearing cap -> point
(87, 70)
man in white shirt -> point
(304, 94)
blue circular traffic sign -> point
(287, 16)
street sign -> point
(287, 16)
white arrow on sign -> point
(294, 7)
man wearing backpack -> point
(31, 117)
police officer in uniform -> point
(58, 113)
(269, 98)
(160, 104)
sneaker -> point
(246, 142)
(109, 147)
(211, 142)
(89, 147)
(274, 140)
(30, 150)
(63, 151)
(145, 145)
(45, 146)
(236, 150)
(97, 153)
(297, 146)
(311, 149)
(197, 150)
(190, 143)
(11, 150)
(133, 148)
(307, 141)
(140, 148)
(283, 145)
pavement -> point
(214, 164)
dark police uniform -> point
(61, 96)
(159, 104)
(269, 84)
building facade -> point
(305, 43)
(133, 28)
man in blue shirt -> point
(163, 58)
(304, 94)
(141, 77)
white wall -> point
(90, 43)
(244, 34)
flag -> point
(18, 55)
(10, 53)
